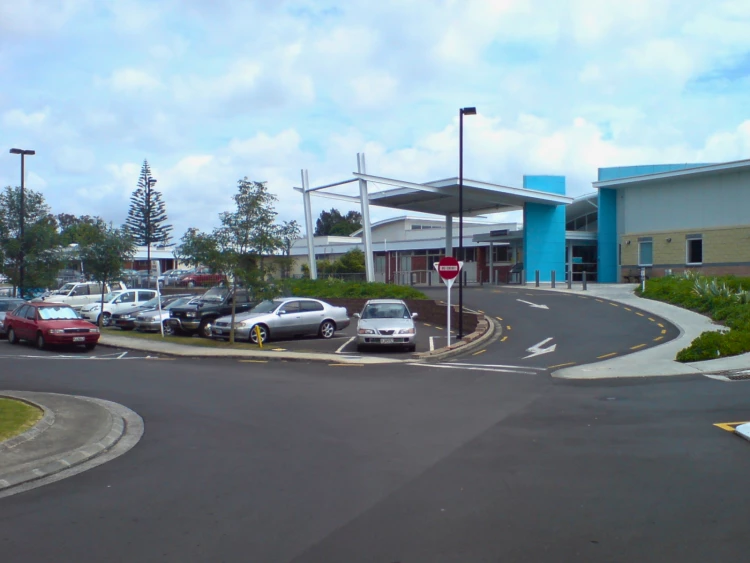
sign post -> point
(448, 269)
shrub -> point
(712, 345)
(333, 288)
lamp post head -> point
(468, 111)
(22, 151)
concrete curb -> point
(47, 420)
(486, 329)
(743, 431)
(50, 467)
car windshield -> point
(57, 313)
(264, 306)
(385, 311)
(64, 290)
(152, 303)
(215, 294)
(178, 302)
(9, 305)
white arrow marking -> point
(533, 304)
(537, 350)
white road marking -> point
(121, 356)
(432, 343)
(534, 305)
(537, 350)
(494, 366)
(466, 367)
(345, 344)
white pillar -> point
(366, 231)
(449, 235)
(309, 226)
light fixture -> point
(627, 242)
(669, 239)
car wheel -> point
(40, 343)
(263, 334)
(327, 329)
(12, 338)
(205, 328)
(191, 284)
(168, 329)
(104, 319)
(90, 345)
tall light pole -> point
(21, 255)
(461, 113)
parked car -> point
(286, 317)
(200, 277)
(148, 320)
(126, 319)
(68, 276)
(7, 305)
(49, 323)
(170, 277)
(79, 294)
(199, 315)
(386, 322)
(3, 278)
(125, 300)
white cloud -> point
(75, 160)
(133, 80)
(25, 120)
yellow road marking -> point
(425, 324)
(353, 365)
(728, 426)
(253, 361)
(627, 308)
(606, 355)
(582, 297)
(614, 304)
(640, 314)
(636, 347)
(278, 349)
(658, 338)
(652, 320)
(480, 352)
(664, 331)
(561, 365)
(503, 339)
(508, 327)
(440, 328)
(499, 318)
(600, 301)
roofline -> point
(438, 219)
(709, 169)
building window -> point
(695, 251)
(645, 253)
(502, 254)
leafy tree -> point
(147, 214)
(81, 230)
(334, 223)
(289, 231)
(39, 248)
(106, 256)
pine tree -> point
(147, 214)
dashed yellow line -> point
(503, 339)
(499, 318)
(480, 352)
(628, 309)
(278, 349)
(640, 314)
(347, 365)
(652, 320)
(582, 297)
(508, 327)
(253, 361)
(600, 301)
(426, 324)
(606, 356)
(660, 325)
(614, 304)
(728, 426)
(636, 347)
(561, 365)
(658, 338)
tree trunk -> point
(234, 309)
(101, 307)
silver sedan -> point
(386, 322)
(279, 318)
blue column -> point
(607, 238)
(544, 230)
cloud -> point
(132, 80)
(25, 120)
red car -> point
(50, 323)
(200, 277)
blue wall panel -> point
(544, 231)
(607, 239)
(618, 172)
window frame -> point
(688, 241)
(650, 242)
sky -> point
(211, 92)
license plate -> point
(79, 339)
(386, 340)
(218, 331)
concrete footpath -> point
(74, 434)
(658, 360)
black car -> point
(215, 303)
(126, 319)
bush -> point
(334, 288)
(712, 345)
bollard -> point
(552, 279)
(570, 279)
(536, 277)
(584, 280)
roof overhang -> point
(711, 169)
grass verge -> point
(16, 417)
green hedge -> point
(717, 297)
(332, 288)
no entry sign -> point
(448, 268)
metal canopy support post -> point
(366, 232)
(309, 226)
(492, 265)
(449, 235)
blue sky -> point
(210, 92)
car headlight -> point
(56, 331)
(93, 330)
(365, 331)
(242, 324)
(190, 314)
(407, 331)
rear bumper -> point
(147, 326)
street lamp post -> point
(461, 113)
(21, 254)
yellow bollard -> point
(257, 333)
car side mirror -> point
(357, 316)
(414, 315)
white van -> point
(79, 294)
(117, 302)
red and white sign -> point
(448, 267)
